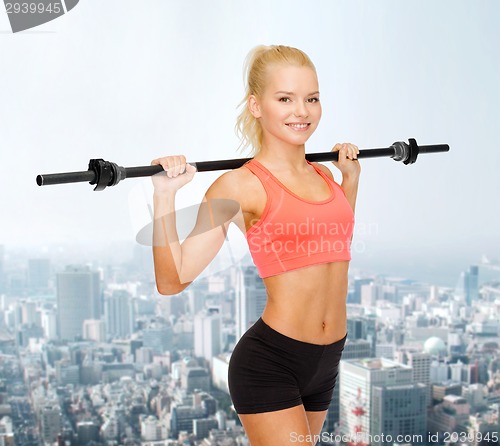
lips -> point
(299, 125)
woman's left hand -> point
(348, 162)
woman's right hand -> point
(176, 173)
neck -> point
(283, 156)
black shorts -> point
(269, 371)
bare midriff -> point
(309, 304)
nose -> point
(301, 110)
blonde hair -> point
(255, 69)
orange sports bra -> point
(293, 232)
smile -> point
(299, 126)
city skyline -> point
(175, 349)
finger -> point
(161, 162)
(344, 151)
(168, 164)
(352, 151)
(180, 165)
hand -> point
(348, 162)
(176, 173)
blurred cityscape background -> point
(91, 354)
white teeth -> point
(298, 126)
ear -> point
(254, 106)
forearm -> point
(350, 187)
(167, 252)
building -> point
(355, 296)
(208, 334)
(29, 313)
(451, 415)
(420, 362)
(440, 390)
(88, 431)
(353, 349)
(439, 371)
(220, 369)
(157, 337)
(468, 285)
(67, 373)
(251, 298)
(94, 330)
(78, 298)
(368, 388)
(363, 327)
(195, 378)
(119, 314)
(153, 429)
(398, 410)
(202, 426)
(182, 417)
(38, 273)
(50, 420)
(49, 324)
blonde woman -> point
(298, 222)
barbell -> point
(106, 173)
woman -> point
(298, 223)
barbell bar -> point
(106, 173)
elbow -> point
(170, 289)
(166, 290)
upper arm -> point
(220, 206)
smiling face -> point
(289, 109)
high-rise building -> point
(472, 285)
(363, 327)
(468, 285)
(38, 273)
(251, 298)
(49, 324)
(355, 296)
(420, 362)
(208, 334)
(51, 423)
(29, 313)
(398, 410)
(353, 349)
(369, 387)
(119, 314)
(78, 298)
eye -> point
(313, 100)
(284, 99)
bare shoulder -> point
(232, 184)
(324, 169)
(240, 189)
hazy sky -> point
(130, 81)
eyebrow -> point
(291, 93)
